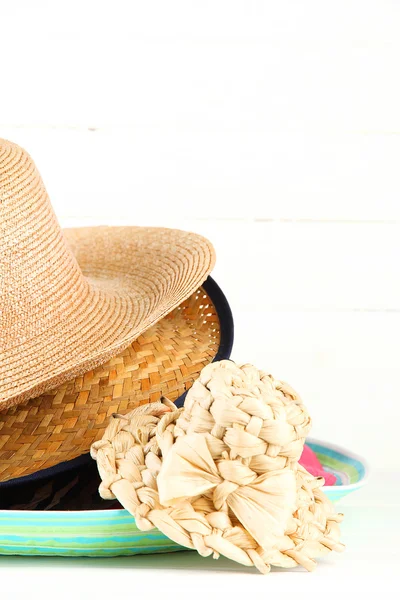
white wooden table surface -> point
(273, 128)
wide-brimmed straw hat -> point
(93, 321)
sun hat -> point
(92, 321)
(221, 474)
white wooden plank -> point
(145, 171)
(240, 109)
(233, 65)
(308, 266)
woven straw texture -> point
(221, 474)
(70, 301)
(62, 424)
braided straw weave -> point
(221, 474)
(61, 424)
(70, 300)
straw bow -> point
(221, 475)
(189, 471)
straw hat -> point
(85, 311)
(221, 474)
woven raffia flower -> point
(221, 475)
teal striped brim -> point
(350, 470)
(78, 533)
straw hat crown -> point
(69, 300)
(41, 281)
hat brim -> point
(134, 277)
(51, 433)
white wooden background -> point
(271, 127)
